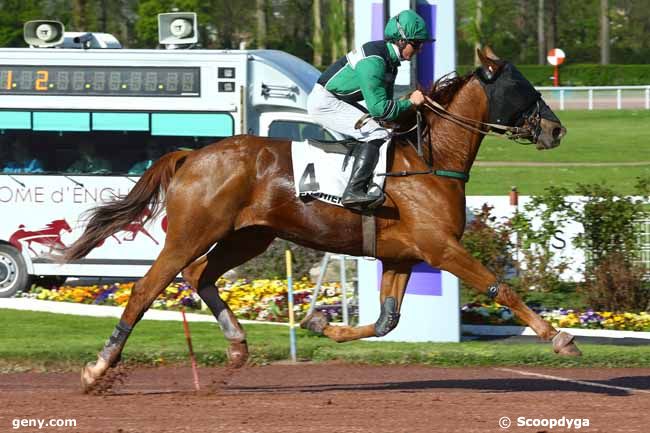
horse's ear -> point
(487, 51)
(490, 62)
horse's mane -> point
(445, 88)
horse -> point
(50, 236)
(228, 201)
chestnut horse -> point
(226, 203)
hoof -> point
(237, 354)
(316, 322)
(87, 378)
(91, 374)
(98, 378)
(563, 345)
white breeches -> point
(332, 113)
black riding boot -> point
(356, 193)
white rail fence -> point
(597, 97)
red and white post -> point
(556, 57)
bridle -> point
(530, 130)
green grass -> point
(45, 341)
(593, 136)
(533, 180)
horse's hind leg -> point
(393, 284)
(232, 251)
(459, 262)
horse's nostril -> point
(558, 132)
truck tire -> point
(13, 272)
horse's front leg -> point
(458, 261)
(393, 284)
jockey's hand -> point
(417, 98)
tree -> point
(604, 32)
(261, 24)
(80, 13)
(349, 23)
(15, 14)
(629, 27)
(317, 37)
(552, 35)
(541, 41)
(578, 34)
(497, 24)
(478, 20)
(336, 27)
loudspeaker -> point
(177, 28)
(42, 33)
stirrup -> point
(368, 201)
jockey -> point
(368, 74)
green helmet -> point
(407, 25)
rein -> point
(508, 133)
(444, 173)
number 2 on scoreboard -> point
(41, 80)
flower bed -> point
(254, 300)
(266, 300)
(495, 314)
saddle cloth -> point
(319, 173)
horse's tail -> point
(109, 218)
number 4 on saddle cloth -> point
(322, 169)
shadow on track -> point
(481, 385)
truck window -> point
(91, 153)
(104, 143)
(298, 131)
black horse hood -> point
(509, 94)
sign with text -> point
(41, 213)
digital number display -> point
(99, 81)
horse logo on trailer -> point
(132, 229)
(50, 236)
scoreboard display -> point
(100, 81)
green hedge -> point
(583, 74)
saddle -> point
(341, 147)
(344, 146)
(321, 171)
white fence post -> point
(647, 98)
(591, 99)
(562, 99)
(619, 94)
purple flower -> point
(104, 294)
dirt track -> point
(332, 398)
